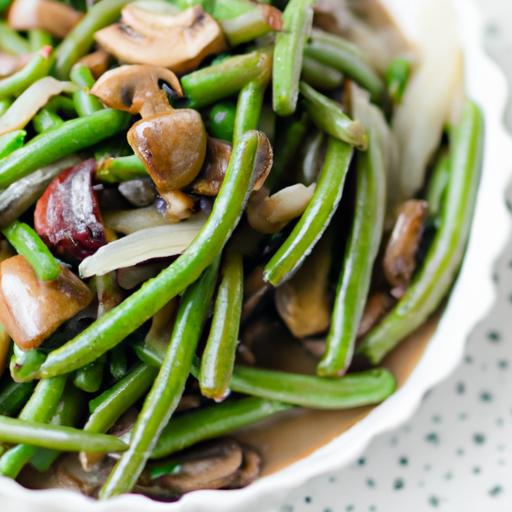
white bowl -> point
(472, 296)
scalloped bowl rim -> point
(471, 298)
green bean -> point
(67, 414)
(28, 244)
(4, 5)
(4, 105)
(320, 76)
(289, 139)
(117, 324)
(169, 385)
(119, 169)
(288, 54)
(434, 278)
(215, 421)
(437, 186)
(62, 104)
(40, 409)
(330, 118)
(11, 42)
(46, 120)
(309, 167)
(221, 120)
(118, 362)
(36, 68)
(108, 407)
(38, 39)
(248, 111)
(342, 55)
(85, 103)
(316, 218)
(220, 351)
(214, 83)
(11, 141)
(89, 377)
(81, 38)
(352, 390)
(24, 363)
(13, 397)
(397, 76)
(55, 437)
(360, 255)
(70, 137)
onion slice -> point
(144, 245)
(20, 113)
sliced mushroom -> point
(303, 302)
(131, 221)
(171, 143)
(210, 179)
(97, 62)
(213, 465)
(55, 17)
(402, 248)
(270, 214)
(377, 305)
(161, 327)
(314, 346)
(30, 309)
(178, 41)
(176, 206)
(67, 216)
(249, 470)
(130, 277)
(139, 193)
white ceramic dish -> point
(471, 298)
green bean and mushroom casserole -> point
(186, 185)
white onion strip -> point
(26, 106)
(144, 245)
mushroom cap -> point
(172, 147)
(54, 17)
(136, 89)
(179, 41)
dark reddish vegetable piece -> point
(30, 309)
(67, 217)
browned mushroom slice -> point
(178, 206)
(400, 255)
(97, 62)
(249, 470)
(314, 346)
(270, 214)
(210, 179)
(171, 143)
(178, 41)
(303, 301)
(212, 465)
(54, 17)
(30, 309)
(378, 304)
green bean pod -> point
(214, 83)
(342, 55)
(317, 216)
(28, 243)
(117, 324)
(85, 103)
(220, 351)
(221, 120)
(60, 438)
(11, 141)
(37, 67)
(11, 41)
(248, 111)
(215, 421)
(81, 38)
(164, 397)
(108, 407)
(320, 76)
(70, 137)
(288, 55)
(328, 117)
(45, 120)
(443, 259)
(120, 169)
(360, 255)
(89, 377)
(397, 76)
(40, 408)
(38, 39)
(437, 186)
(13, 397)
(118, 362)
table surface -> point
(455, 454)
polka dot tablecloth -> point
(456, 453)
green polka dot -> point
(448, 476)
(436, 418)
(478, 438)
(370, 482)
(433, 501)
(398, 484)
(503, 364)
(476, 470)
(494, 336)
(403, 461)
(495, 491)
(349, 508)
(308, 499)
(460, 388)
(432, 438)
(486, 396)
(361, 461)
